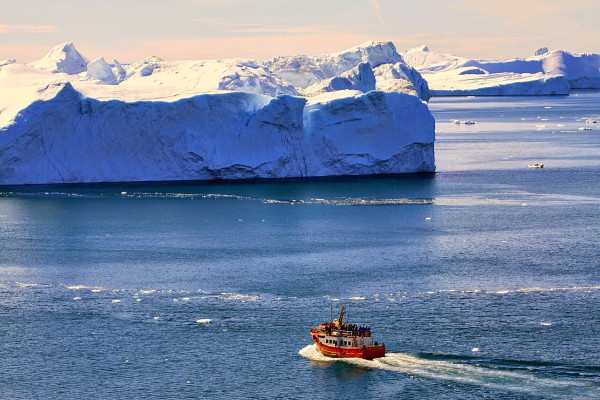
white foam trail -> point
(458, 372)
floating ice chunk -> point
(545, 323)
(462, 122)
(475, 349)
(156, 318)
(77, 298)
(428, 219)
(584, 128)
(115, 301)
(357, 298)
(204, 321)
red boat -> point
(341, 339)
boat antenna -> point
(331, 312)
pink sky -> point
(207, 29)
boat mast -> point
(342, 313)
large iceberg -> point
(159, 120)
(545, 73)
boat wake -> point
(522, 380)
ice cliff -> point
(69, 137)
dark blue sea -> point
(483, 279)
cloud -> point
(377, 8)
(27, 28)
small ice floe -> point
(428, 219)
(547, 107)
(585, 128)
(545, 323)
(123, 193)
(204, 321)
(185, 299)
(357, 298)
(462, 122)
(540, 126)
(156, 318)
(536, 165)
(77, 298)
(591, 121)
(475, 349)
(115, 301)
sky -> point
(131, 30)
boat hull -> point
(366, 352)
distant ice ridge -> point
(350, 69)
(310, 74)
(546, 73)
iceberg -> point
(158, 120)
(545, 73)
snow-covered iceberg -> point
(545, 73)
(159, 120)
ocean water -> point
(483, 280)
